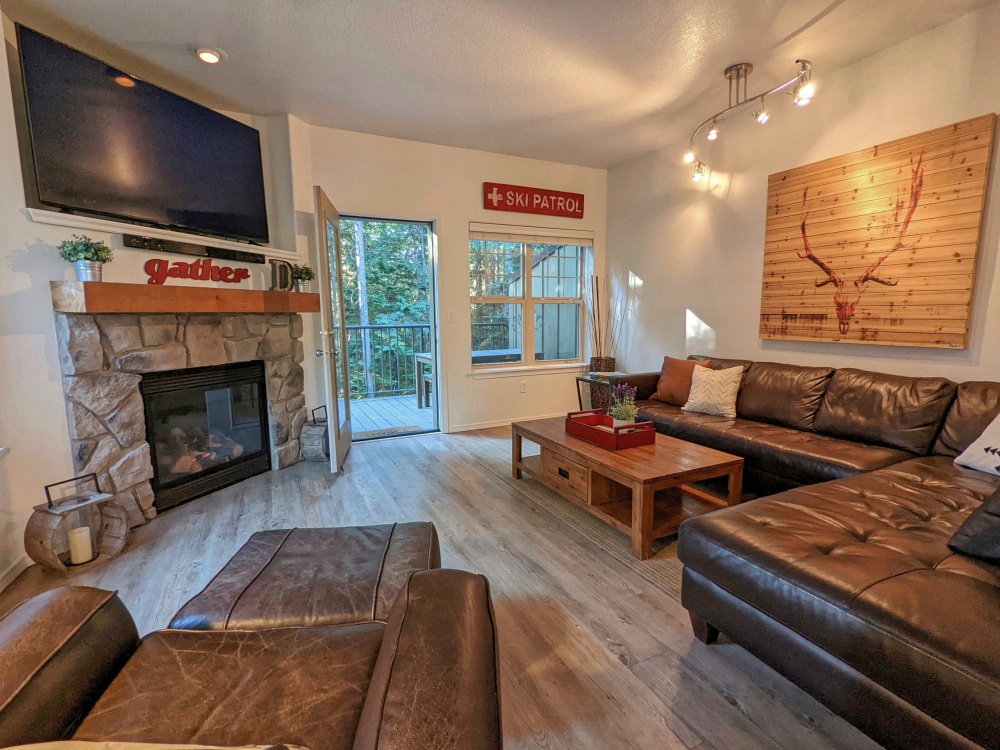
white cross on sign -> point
(495, 196)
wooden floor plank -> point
(592, 655)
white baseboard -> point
(500, 422)
(13, 572)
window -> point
(526, 297)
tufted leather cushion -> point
(302, 686)
(58, 652)
(889, 410)
(802, 457)
(302, 577)
(786, 395)
(861, 568)
(976, 405)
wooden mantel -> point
(99, 297)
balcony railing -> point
(380, 358)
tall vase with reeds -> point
(607, 312)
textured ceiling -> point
(581, 81)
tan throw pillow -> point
(674, 385)
(714, 391)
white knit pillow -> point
(714, 391)
(984, 453)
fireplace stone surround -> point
(102, 358)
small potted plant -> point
(623, 409)
(303, 276)
(88, 256)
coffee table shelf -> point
(644, 492)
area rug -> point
(663, 569)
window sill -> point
(485, 373)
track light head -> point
(714, 132)
(699, 172)
(689, 157)
(761, 116)
(803, 93)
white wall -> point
(699, 250)
(374, 176)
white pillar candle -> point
(80, 549)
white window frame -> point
(526, 237)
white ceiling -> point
(586, 82)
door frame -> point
(339, 431)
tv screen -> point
(106, 143)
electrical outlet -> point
(524, 386)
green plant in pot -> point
(303, 276)
(87, 255)
(623, 409)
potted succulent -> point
(88, 256)
(303, 276)
(623, 409)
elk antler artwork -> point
(845, 300)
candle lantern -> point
(77, 524)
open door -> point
(333, 336)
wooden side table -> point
(111, 531)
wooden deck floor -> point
(376, 415)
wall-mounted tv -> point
(106, 143)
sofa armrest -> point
(645, 382)
(59, 651)
(436, 681)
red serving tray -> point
(587, 425)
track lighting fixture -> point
(803, 90)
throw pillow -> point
(979, 536)
(984, 453)
(714, 391)
(674, 385)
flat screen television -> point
(106, 143)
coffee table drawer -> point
(565, 474)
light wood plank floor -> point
(592, 655)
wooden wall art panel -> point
(879, 246)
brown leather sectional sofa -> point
(802, 425)
(847, 587)
(419, 671)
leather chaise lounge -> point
(401, 655)
(848, 587)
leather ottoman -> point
(288, 578)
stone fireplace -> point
(103, 356)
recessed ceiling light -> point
(210, 56)
(124, 81)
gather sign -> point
(159, 270)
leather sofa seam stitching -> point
(232, 607)
(392, 664)
(58, 647)
(847, 612)
(381, 568)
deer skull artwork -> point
(846, 300)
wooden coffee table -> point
(644, 491)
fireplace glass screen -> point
(203, 423)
